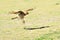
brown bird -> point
(21, 14)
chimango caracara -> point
(21, 14)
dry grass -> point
(46, 13)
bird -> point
(21, 14)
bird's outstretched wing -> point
(30, 9)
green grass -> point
(50, 36)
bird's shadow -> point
(36, 28)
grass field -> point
(45, 13)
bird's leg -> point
(23, 21)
